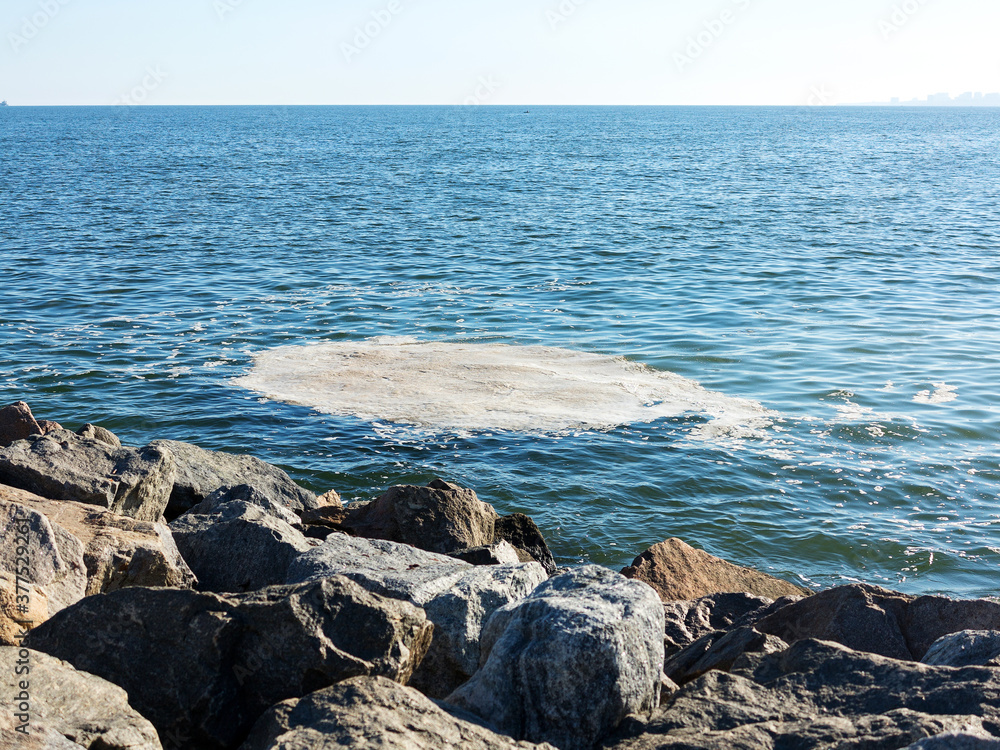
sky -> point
(523, 52)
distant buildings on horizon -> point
(968, 99)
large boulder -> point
(17, 423)
(458, 597)
(686, 622)
(117, 551)
(440, 517)
(819, 695)
(679, 572)
(523, 534)
(569, 662)
(868, 618)
(64, 466)
(372, 713)
(966, 648)
(238, 540)
(201, 472)
(67, 708)
(202, 667)
(41, 553)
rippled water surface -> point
(836, 267)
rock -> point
(569, 662)
(820, 695)
(47, 425)
(51, 558)
(203, 667)
(929, 618)
(861, 617)
(117, 551)
(965, 649)
(718, 650)
(680, 572)
(440, 517)
(99, 434)
(17, 616)
(17, 423)
(372, 712)
(458, 598)
(686, 622)
(329, 499)
(501, 553)
(201, 472)
(523, 534)
(239, 545)
(974, 740)
(65, 466)
(71, 709)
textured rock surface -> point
(201, 472)
(238, 545)
(680, 572)
(820, 695)
(65, 466)
(73, 707)
(458, 597)
(17, 423)
(117, 551)
(963, 740)
(19, 615)
(686, 622)
(202, 667)
(440, 517)
(501, 553)
(523, 534)
(369, 713)
(966, 648)
(95, 432)
(718, 650)
(929, 618)
(52, 559)
(569, 662)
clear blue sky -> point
(494, 51)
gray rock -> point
(686, 622)
(201, 472)
(861, 617)
(117, 551)
(239, 545)
(69, 709)
(965, 649)
(929, 618)
(820, 695)
(17, 423)
(963, 740)
(523, 534)
(202, 667)
(501, 553)
(569, 662)
(679, 572)
(369, 713)
(440, 517)
(95, 432)
(52, 559)
(65, 466)
(250, 495)
(718, 650)
(458, 597)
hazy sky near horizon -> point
(494, 51)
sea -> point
(771, 332)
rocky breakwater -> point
(173, 597)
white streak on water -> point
(480, 387)
(942, 394)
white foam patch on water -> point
(942, 394)
(456, 386)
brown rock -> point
(523, 534)
(47, 426)
(14, 620)
(861, 617)
(680, 572)
(17, 423)
(117, 551)
(330, 499)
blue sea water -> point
(838, 266)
